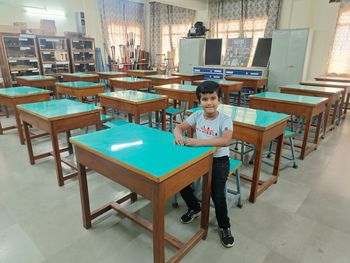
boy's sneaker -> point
(190, 216)
(226, 237)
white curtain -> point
(243, 18)
(120, 18)
(167, 25)
(339, 56)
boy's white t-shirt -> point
(208, 129)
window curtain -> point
(339, 55)
(243, 18)
(120, 18)
(167, 25)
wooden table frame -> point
(68, 77)
(107, 76)
(180, 95)
(295, 108)
(344, 103)
(79, 93)
(227, 89)
(333, 79)
(119, 83)
(141, 73)
(250, 82)
(37, 83)
(135, 108)
(189, 77)
(155, 190)
(160, 81)
(260, 136)
(23, 99)
(54, 126)
(332, 98)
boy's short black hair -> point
(208, 87)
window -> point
(252, 28)
(340, 53)
(119, 34)
(170, 37)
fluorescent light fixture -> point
(37, 11)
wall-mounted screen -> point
(213, 51)
(262, 52)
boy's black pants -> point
(221, 168)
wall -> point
(321, 18)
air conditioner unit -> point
(80, 21)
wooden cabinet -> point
(54, 55)
(82, 53)
(19, 57)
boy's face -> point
(209, 102)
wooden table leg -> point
(239, 98)
(342, 103)
(158, 224)
(19, 126)
(328, 111)
(335, 112)
(28, 142)
(318, 128)
(278, 154)
(57, 156)
(256, 172)
(346, 104)
(226, 98)
(84, 196)
(163, 119)
(70, 147)
(306, 136)
(137, 118)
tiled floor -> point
(304, 218)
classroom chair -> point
(234, 170)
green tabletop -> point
(132, 95)
(312, 88)
(141, 70)
(289, 97)
(21, 91)
(81, 84)
(220, 82)
(247, 116)
(158, 76)
(247, 77)
(36, 77)
(130, 79)
(57, 108)
(178, 87)
(330, 84)
(145, 149)
(80, 74)
(187, 74)
(112, 73)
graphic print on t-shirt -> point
(208, 131)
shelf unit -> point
(19, 57)
(54, 55)
(82, 53)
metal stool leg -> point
(291, 140)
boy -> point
(213, 128)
